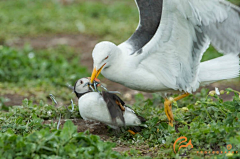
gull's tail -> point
(225, 67)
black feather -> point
(150, 16)
(80, 94)
(113, 108)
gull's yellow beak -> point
(95, 73)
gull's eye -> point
(106, 58)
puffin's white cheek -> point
(81, 89)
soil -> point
(93, 127)
(13, 99)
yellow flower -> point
(229, 154)
(212, 93)
(185, 109)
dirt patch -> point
(121, 148)
(83, 44)
(223, 85)
(95, 128)
(13, 99)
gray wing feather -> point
(149, 19)
(184, 34)
(220, 21)
(225, 35)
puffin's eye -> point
(106, 58)
(81, 82)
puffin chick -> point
(104, 107)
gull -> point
(164, 53)
(104, 107)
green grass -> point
(53, 65)
(66, 143)
(31, 18)
(115, 21)
(210, 123)
(38, 73)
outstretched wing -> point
(185, 31)
(149, 18)
(223, 27)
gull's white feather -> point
(171, 59)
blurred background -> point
(47, 44)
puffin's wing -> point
(149, 18)
(186, 28)
(113, 104)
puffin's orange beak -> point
(95, 73)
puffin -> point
(105, 107)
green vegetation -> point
(210, 123)
(58, 65)
(29, 129)
(39, 17)
(66, 143)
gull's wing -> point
(223, 29)
(186, 29)
(149, 18)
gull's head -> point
(103, 54)
(81, 86)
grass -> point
(32, 18)
(210, 123)
(28, 72)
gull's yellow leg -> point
(132, 132)
(168, 107)
(168, 111)
(181, 96)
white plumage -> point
(171, 59)
(92, 106)
(164, 53)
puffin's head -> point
(81, 86)
(102, 56)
